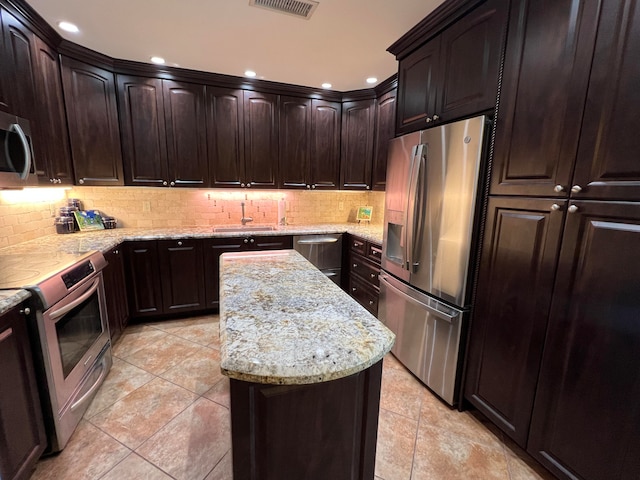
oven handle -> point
(67, 308)
(78, 403)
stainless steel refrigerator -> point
(433, 186)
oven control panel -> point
(77, 274)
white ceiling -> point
(343, 43)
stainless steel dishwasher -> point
(324, 251)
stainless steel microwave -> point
(17, 165)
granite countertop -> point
(11, 298)
(283, 322)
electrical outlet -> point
(146, 206)
(341, 206)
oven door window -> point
(77, 331)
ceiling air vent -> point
(298, 8)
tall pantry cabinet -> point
(556, 329)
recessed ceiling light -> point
(372, 80)
(326, 85)
(68, 27)
(157, 60)
(249, 73)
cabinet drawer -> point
(374, 252)
(365, 294)
(364, 269)
(358, 246)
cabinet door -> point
(471, 51)
(181, 267)
(22, 437)
(213, 248)
(586, 416)
(417, 87)
(225, 136)
(115, 292)
(357, 144)
(19, 70)
(90, 101)
(385, 129)
(295, 134)
(261, 139)
(142, 128)
(186, 134)
(543, 91)
(324, 162)
(54, 156)
(143, 278)
(518, 264)
(5, 73)
(607, 165)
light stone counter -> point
(283, 322)
(104, 240)
(11, 298)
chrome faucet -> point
(244, 219)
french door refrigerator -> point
(433, 186)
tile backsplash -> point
(23, 217)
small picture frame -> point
(89, 220)
(364, 214)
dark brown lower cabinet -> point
(115, 292)
(553, 354)
(143, 278)
(22, 437)
(586, 417)
(362, 264)
(214, 247)
(313, 432)
(182, 275)
(518, 265)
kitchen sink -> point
(240, 229)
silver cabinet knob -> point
(572, 208)
(429, 120)
(173, 184)
(576, 189)
(248, 184)
(370, 302)
(25, 311)
(51, 180)
(353, 289)
(116, 252)
(355, 265)
(372, 275)
(558, 188)
(81, 181)
(436, 117)
(164, 183)
(313, 186)
(242, 185)
(367, 187)
(246, 240)
(555, 207)
(179, 244)
(308, 186)
(252, 240)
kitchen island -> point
(305, 362)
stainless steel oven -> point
(70, 335)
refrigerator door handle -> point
(448, 317)
(413, 207)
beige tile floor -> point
(163, 413)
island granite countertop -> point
(283, 322)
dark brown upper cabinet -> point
(607, 165)
(260, 140)
(545, 81)
(142, 129)
(225, 136)
(295, 135)
(586, 418)
(326, 122)
(385, 130)
(5, 73)
(358, 120)
(518, 265)
(184, 107)
(455, 74)
(90, 102)
(54, 155)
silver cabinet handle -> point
(318, 241)
(555, 207)
(179, 244)
(572, 208)
(558, 188)
(173, 184)
(576, 189)
(436, 117)
(164, 183)
(25, 146)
